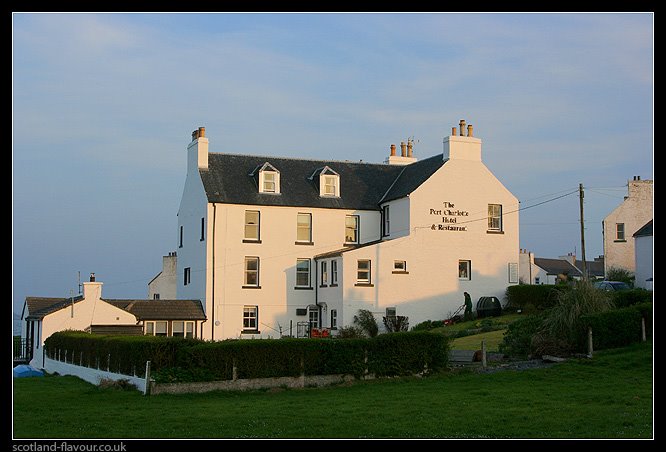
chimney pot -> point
(462, 127)
(410, 146)
(92, 277)
(202, 132)
(393, 149)
(454, 131)
(403, 149)
(470, 131)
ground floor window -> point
(313, 317)
(464, 269)
(182, 329)
(334, 319)
(179, 328)
(250, 317)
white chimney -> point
(461, 147)
(406, 154)
(197, 151)
(92, 290)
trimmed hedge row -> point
(625, 298)
(177, 359)
(531, 298)
(618, 327)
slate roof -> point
(594, 268)
(557, 266)
(39, 307)
(162, 309)
(645, 231)
(362, 185)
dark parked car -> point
(611, 285)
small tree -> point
(365, 320)
(396, 323)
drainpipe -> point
(212, 309)
(317, 292)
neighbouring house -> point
(43, 316)
(163, 285)
(535, 270)
(644, 250)
(278, 246)
(621, 224)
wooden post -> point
(590, 348)
(643, 335)
(365, 361)
(108, 362)
(483, 354)
(147, 390)
(234, 370)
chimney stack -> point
(470, 131)
(393, 149)
(403, 149)
(462, 127)
(197, 150)
(461, 144)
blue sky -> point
(104, 105)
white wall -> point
(634, 212)
(165, 283)
(90, 375)
(644, 261)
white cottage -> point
(276, 246)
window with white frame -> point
(329, 182)
(267, 178)
(494, 217)
(250, 318)
(391, 312)
(363, 271)
(465, 269)
(330, 185)
(304, 228)
(178, 328)
(252, 225)
(619, 231)
(313, 317)
(334, 319)
(303, 273)
(351, 229)
(399, 266)
(269, 182)
(161, 328)
(156, 296)
(251, 273)
(324, 273)
(334, 272)
(149, 328)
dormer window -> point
(329, 182)
(267, 178)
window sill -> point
(619, 241)
(333, 285)
(250, 332)
(323, 285)
(350, 243)
(464, 279)
(304, 243)
(302, 288)
(250, 287)
(364, 285)
(201, 240)
(251, 241)
(400, 272)
(494, 232)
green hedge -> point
(177, 359)
(625, 298)
(618, 327)
(531, 298)
(517, 340)
(121, 354)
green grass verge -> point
(609, 396)
(492, 338)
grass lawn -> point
(492, 338)
(609, 396)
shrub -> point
(517, 341)
(407, 353)
(532, 298)
(350, 332)
(620, 274)
(396, 323)
(624, 298)
(615, 328)
(428, 325)
(365, 320)
(560, 332)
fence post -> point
(483, 354)
(234, 369)
(643, 335)
(590, 349)
(108, 362)
(365, 361)
(303, 369)
(147, 390)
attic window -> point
(267, 178)
(329, 182)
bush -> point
(428, 325)
(532, 298)
(396, 323)
(407, 353)
(620, 274)
(624, 298)
(350, 332)
(366, 321)
(618, 327)
(517, 340)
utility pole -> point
(582, 231)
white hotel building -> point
(271, 245)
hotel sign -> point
(450, 216)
